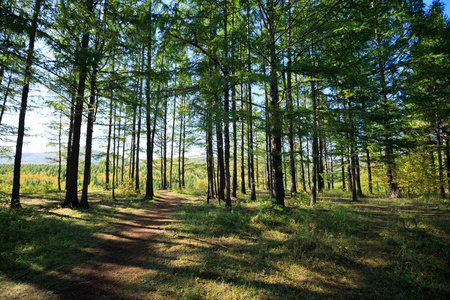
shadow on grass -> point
(253, 252)
(333, 252)
(41, 249)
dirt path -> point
(119, 264)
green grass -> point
(41, 243)
(377, 248)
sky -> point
(38, 118)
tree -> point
(15, 197)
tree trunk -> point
(343, 168)
(69, 139)
(15, 197)
(108, 145)
(173, 138)
(114, 177)
(60, 149)
(243, 189)
(290, 106)
(164, 148)
(274, 109)
(315, 148)
(439, 156)
(358, 177)
(137, 187)
(233, 114)
(133, 146)
(71, 193)
(369, 171)
(5, 98)
(119, 127)
(149, 181)
(446, 154)
(220, 162)
(183, 152)
(122, 169)
(89, 133)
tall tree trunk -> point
(276, 123)
(302, 164)
(439, 156)
(290, 107)
(233, 113)
(119, 127)
(183, 152)
(243, 189)
(71, 193)
(164, 148)
(369, 171)
(446, 143)
(210, 164)
(358, 176)
(220, 162)
(315, 148)
(114, 177)
(226, 73)
(137, 186)
(251, 166)
(60, 149)
(173, 138)
(69, 138)
(149, 181)
(320, 170)
(349, 170)
(353, 165)
(124, 139)
(343, 168)
(89, 133)
(15, 197)
(133, 146)
(108, 145)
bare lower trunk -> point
(89, 133)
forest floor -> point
(177, 247)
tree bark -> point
(15, 197)
(439, 156)
(5, 98)
(108, 145)
(276, 122)
(71, 192)
(243, 189)
(149, 180)
(173, 138)
(315, 148)
(89, 133)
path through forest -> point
(120, 264)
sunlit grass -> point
(376, 248)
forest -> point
(302, 148)
(311, 93)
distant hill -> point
(39, 158)
(51, 158)
(32, 158)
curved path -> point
(121, 262)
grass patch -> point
(378, 248)
(41, 243)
